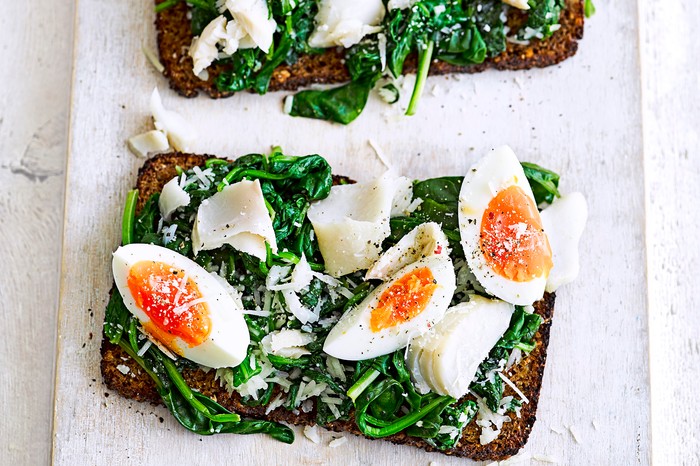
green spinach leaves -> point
(459, 32)
(341, 104)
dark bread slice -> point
(137, 385)
(175, 37)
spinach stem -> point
(409, 419)
(211, 162)
(132, 333)
(128, 218)
(362, 383)
(189, 395)
(425, 58)
(240, 173)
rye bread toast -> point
(137, 385)
(175, 36)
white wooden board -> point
(582, 119)
(672, 139)
(33, 133)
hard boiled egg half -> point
(501, 230)
(409, 303)
(181, 305)
(446, 358)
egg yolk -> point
(512, 238)
(404, 299)
(172, 302)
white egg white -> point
(499, 170)
(352, 338)
(424, 240)
(228, 340)
(564, 222)
(446, 358)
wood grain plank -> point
(582, 119)
(671, 142)
(36, 40)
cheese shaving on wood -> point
(337, 442)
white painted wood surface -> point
(672, 156)
(596, 143)
(36, 44)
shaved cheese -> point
(237, 215)
(338, 442)
(381, 44)
(150, 142)
(251, 26)
(169, 234)
(400, 4)
(574, 433)
(288, 343)
(514, 359)
(171, 198)
(345, 22)
(288, 104)
(302, 274)
(275, 275)
(153, 59)
(203, 49)
(522, 4)
(311, 433)
(351, 224)
(402, 203)
(254, 20)
(179, 132)
(235, 35)
(545, 459)
(378, 150)
(297, 308)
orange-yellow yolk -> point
(406, 298)
(512, 239)
(172, 302)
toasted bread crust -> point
(175, 37)
(137, 385)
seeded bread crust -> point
(137, 385)
(175, 37)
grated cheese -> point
(515, 389)
(144, 348)
(276, 403)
